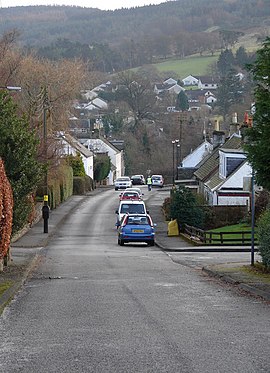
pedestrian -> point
(149, 182)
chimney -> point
(218, 136)
(234, 126)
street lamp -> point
(177, 160)
(11, 88)
(45, 208)
(252, 216)
(174, 142)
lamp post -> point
(45, 208)
(11, 88)
(174, 142)
(252, 217)
(177, 160)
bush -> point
(77, 165)
(261, 203)
(82, 185)
(184, 207)
(102, 166)
(264, 238)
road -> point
(93, 306)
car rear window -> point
(132, 209)
(137, 220)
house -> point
(103, 146)
(77, 125)
(89, 94)
(96, 103)
(197, 155)
(230, 185)
(190, 164)
(210, 98)
(224, 176)
(70, 146)
(206, 82)
(199, 97)
(173, 88)
(190, 80)
(170, 81)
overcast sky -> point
(101, 4)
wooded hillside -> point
(42, 25)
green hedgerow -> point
(264, 238)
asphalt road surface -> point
(93, 306)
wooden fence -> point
(218, 238)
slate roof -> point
(206, 79)
(215, 181)
(210, 165)
(76, 145)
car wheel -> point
(115, 188)
(151, 243)
(121, 242)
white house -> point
(233, 189)
(190, 80)
(206, 82)
(102, 146)
(170, 88)
(210, 98)
(71, 146)
(101, 104)
(197, 155)
(174, 88)
(89, 94)
(170, 81)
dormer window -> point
(229, 160)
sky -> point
(100, 4)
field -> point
(197, 65)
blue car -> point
(136, 228)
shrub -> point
(184, 207)
(264, 238)
(102, 166)
(77, 165)
(82, 185)
(261, 203)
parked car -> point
(129, 195)
(122, 183)
(157, 180)
(136, 228)
(135, 189)
(138, 180)
(132, 207)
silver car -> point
(157, 181)
(122, 183)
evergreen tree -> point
(225, 62)
(182, 101)
(113, 123)
(18, 149)
(241, 57)
(230, 91)
(102, 166)
(258, 136)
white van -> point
(129, 206)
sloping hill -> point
(42, 25)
